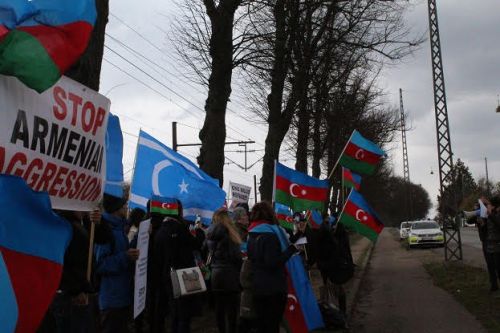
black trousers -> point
(493, 265)
(270, 309)
(227, 306)
(115, 320)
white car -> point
(404, 228)
(425, 233)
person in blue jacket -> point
(115, 267)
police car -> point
(425, 233)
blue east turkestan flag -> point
(161, 171)
(114, 157)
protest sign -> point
(141, 268)
(239, 193)
(55, 140)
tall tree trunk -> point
(87, 70)
(213, 133)
(303, 126)
(317, 142)
(277, 121)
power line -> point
(138, 54)
(189, 126)
(166, 87)
(156, 80)
(140, 81)
(162, 52)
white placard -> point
(55, 140)
(483, 211)
(301, 241)
(239, 192)
(141, 268)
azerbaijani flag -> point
(361, 155)
(357, 215)
(314, 218)
(302, 313)
(33, 240)
(41, 39)
(299, 191)
(164, 206)
(284, 216)
(350, 179)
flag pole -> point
(342, 187)
(274, 184)
(91, 251)
(343, 208)
(342, 153)
(135, 161)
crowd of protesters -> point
(247, 282)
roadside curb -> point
(354, 286)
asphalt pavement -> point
(470, 237)
(471, 248)
(397, 295)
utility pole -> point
(255, 187)
(174, 135)
(176, 145)
(245, 151)
(406, 164)
(452, 239)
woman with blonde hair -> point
(225, 261)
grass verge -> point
(470, 286)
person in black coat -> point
(269, 273)
(72, 296)
(303, 230)
(226, 259)
(492, 242)
(173, 249)
(334, 259)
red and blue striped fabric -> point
(361, 155)
(314, 218)
(41, 39)
(357, 215)
(299, 191)
(302, 313)
(32, 244)
(350, 179)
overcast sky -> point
(471, 57)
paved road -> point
(470, 237)
(471, 248)
(399, 296)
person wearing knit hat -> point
(114, 265)
(111, 204)
(173, 249)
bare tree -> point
(87, 70)
(213, 39)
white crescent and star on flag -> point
(361, 215)
(165, 205)
(183, 186)
(360, 154)
(301, 192)
(292, 302)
